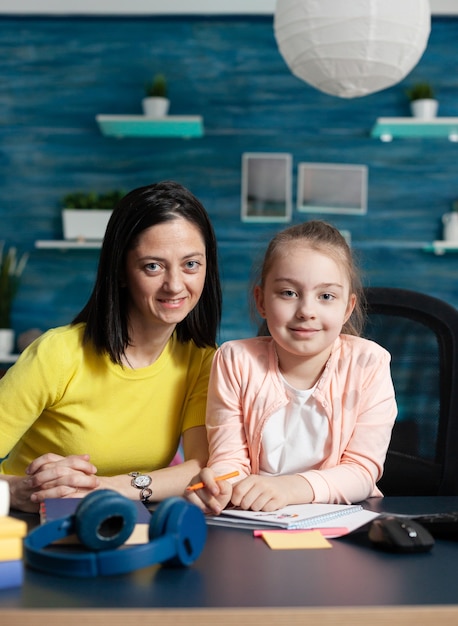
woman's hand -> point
(214, 496)
(55, 476)
(20, 493)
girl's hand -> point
(214, 496)
(269, 493)
(55, 476)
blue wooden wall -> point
(56, 74)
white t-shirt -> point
(296, 437)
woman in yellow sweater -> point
(104, 401)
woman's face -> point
(165, 273)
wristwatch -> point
(142, 482)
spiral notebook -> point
(297, 516)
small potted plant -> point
(11, 269)
(156, 102)
(85, 215)
(423, 102)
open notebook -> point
(348, 517)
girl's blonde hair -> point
(326, 239)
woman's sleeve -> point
(227, 440)
(25, 390)
(196, 399)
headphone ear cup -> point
(104, 520)
(158, 522)
(186, 522)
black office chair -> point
(421, 333)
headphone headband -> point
(102, 522)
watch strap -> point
(145, 492)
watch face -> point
(142, 481)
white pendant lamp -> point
(351, 48)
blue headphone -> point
(102, 522)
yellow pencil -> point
(201, 485)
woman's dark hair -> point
(105, 313)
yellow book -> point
(11, 549)
(11, 527)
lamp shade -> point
(351, 48)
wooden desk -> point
(239, 581)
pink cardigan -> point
(355, 390)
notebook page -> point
(293, 516)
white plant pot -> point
(6, 341)
(425, 108)
(82, 224)
(155, 107)
(450, 222)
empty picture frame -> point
(266, 187)
(332, 188)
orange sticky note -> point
(308, 540)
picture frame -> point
(266, 189)
(332, 188)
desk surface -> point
(239, 578)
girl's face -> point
(305, 300)
(165, 273)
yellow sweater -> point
(62, 397)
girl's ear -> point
(350, 307)
(259, 300)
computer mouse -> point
(399, 534)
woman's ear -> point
(259, 301)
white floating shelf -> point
(185, 126)
(441, 247)
(8, 358)
(68, 245)
(389, 128)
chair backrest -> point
(421, 333)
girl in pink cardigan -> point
(305, 414)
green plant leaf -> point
(157, 88)
(92, 200)
(420, 91)
(11, 270)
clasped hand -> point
(55, 476)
